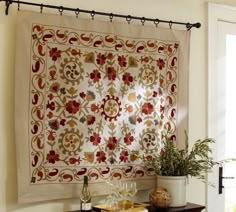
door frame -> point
(216, 13)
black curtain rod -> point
(93, 13)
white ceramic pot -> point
(176, 186)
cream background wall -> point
(179, 10)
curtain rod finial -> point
(198, 25)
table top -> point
(190, 207)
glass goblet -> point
(132, 188)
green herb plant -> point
(174, 162)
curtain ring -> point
(128, 18)
(77, 12)
(60, 10)
(18, 6)
(156, 22)
(41, 8)
(92, 14)
(170, 24)
(143, 19)
(111, 17)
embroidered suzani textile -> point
(89, 94)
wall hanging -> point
(87, 94)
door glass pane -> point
(230, 147)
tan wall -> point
(179, 10)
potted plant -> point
(172, 166)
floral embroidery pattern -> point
(96, 98)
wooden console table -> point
(190, 207)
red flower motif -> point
(51, 105)
(90, 119)
(74, 52)
(128, 108)
(52, 74)
(101, 156)
(72, 106)
(147, 108)
(82, 95)
(95, 139)
(122, 61)
(162, 109)
(144, 59)
(111, 73)
(111, 144)
(50, 115)
(139, 119)
(94, 108)
(63, 122)
(51, 135)
(148, 158)
(50, 96)
(55, 53)
(110, 56)
(124, 155)
(74, 160)
(101, 59)
(95, 76)
(160, 63)
(154, 94)
(127, 78)
(52, 157)
(55, 87)
(54, 124)
(128, 139)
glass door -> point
(222, 106)
(230, 117)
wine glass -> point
(132, 188)
(123, 191)
(111, 201)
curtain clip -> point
(156, 22)
(41, 8)
(92, 14)
(77, 12)
(111, 17)
(61, 10)
(143, 19)
(128, 18)
(170, 24)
